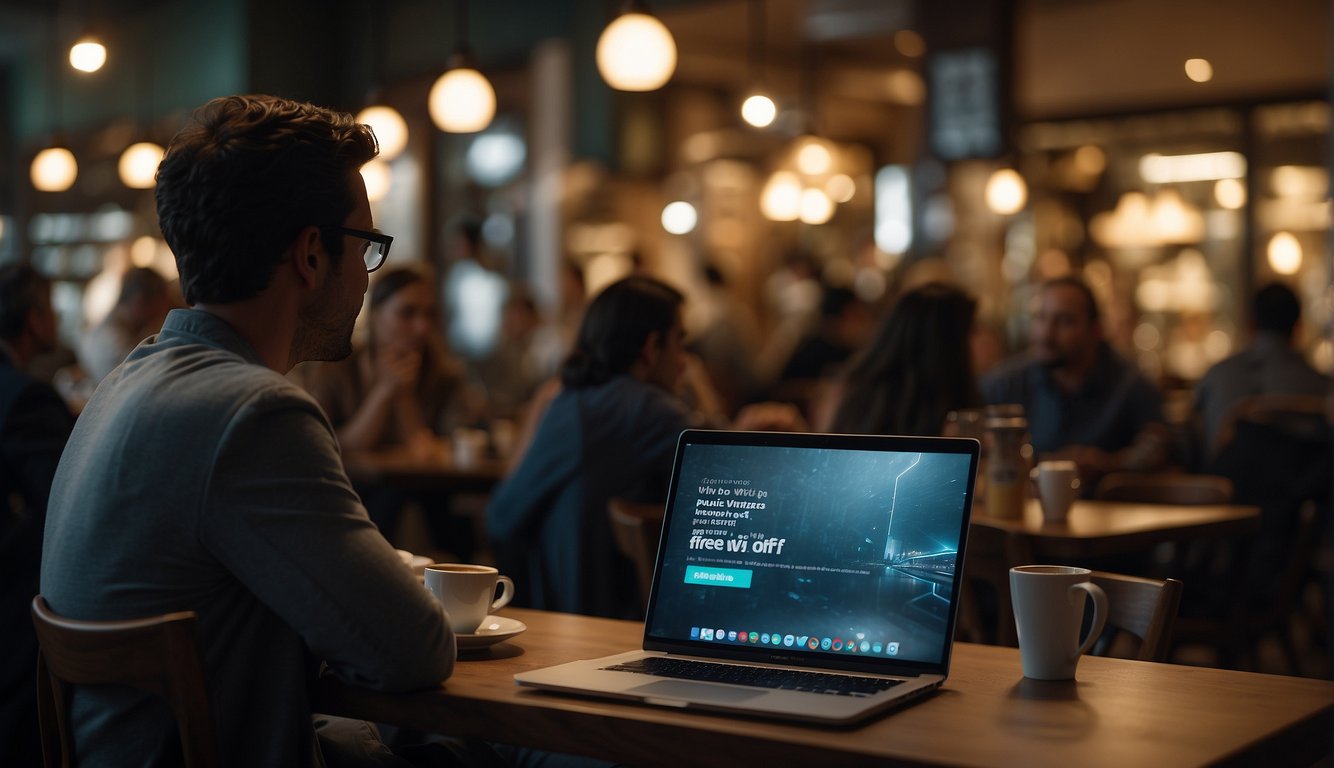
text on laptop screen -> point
(819, 550)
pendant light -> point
(462, 99)
(758, 109)
(138, 163)
(54, 169)
(636, 52)
(88, 54)
(391, 130)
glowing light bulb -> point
(54, 170)
(138, 165)
(87, 55)
(1006, 192)
(781, 198)
(813, 159)
(759, 110)
(1285, 254)
(816, 207)
(636, 52)
(679, 217)
(462, 101)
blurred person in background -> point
(474, 294)
(34, 425)
(402, 390)
(1083, 401)
(514, 369)
(915, 370)
(609, 432)
(1269, 364)
(143, 303)
(726, 340)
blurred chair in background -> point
(637, 528)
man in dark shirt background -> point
(34, 424)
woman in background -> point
(916, 369)
(400, 391)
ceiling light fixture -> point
(1006, 193)
(462, 99)
(139, 162)
(54, 169)
(759, 108)
(1199, 70)
(636, 52)
(87, 54)
(391, 130)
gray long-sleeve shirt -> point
(198, 479)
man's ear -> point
(308, 256)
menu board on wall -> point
(965, 108)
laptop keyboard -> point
(757, 677)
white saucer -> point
(493, 630)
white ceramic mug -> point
(469, 446)
(1058, 487)
(467, 592)
(1048, 611)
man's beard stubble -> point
(324, 332)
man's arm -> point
(282, 516)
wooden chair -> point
(158, 655)
(1165, 488)
(1298, 415)
(1141, 615)
(986, 615)
(637, 528)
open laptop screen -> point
(832, 550)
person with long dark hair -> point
(610, 432)
(916, 369)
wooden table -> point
(415, 472)
(1119, 713)
(1100, 528)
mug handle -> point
(1099, 613)
(506, 595)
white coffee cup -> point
(1058, 487)
(469, 446)
(1048, 611)
(467, 592)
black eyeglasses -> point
(377, 245)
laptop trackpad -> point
(701, 692)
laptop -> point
(806, 577)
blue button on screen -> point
(737, 578)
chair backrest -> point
(987, 616)
(1298, 415)
(1143, 608)
(637, 527)
(1165, 488)
(158, 655)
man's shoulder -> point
(638, 396)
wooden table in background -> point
(1118, 713)
(1100, 528)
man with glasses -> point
(199, 478)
